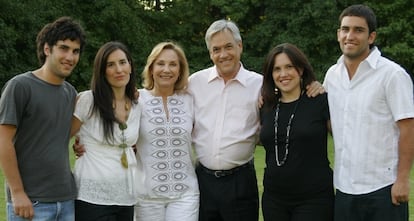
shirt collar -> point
(373, 57)
(371, 60)
(241, 76)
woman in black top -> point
(298, 181)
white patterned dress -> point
(164, 153)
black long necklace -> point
(288, 127)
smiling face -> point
(118, 69)
(166, 69)
(62, 58)
(286, 77)
(354, 38)
(225, 53)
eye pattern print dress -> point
(164, 153)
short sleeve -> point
(399, 92)
(325, 106)
(12, 102)
(84, 104)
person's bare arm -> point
(76, 124)
(401, 187)
(314, 89)
(77, 147)
(8, 161)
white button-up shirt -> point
(226, 117)
(364, 112)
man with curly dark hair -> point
(36, 109)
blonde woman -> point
(169, 183)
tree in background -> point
(307, 24)
(140, 24)
(395, 35)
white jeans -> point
(184, 208)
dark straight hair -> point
(102, 91)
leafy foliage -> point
(140, 24)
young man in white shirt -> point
(372, 114)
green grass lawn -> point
(259, 163)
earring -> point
(276, 90)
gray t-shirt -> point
(42, 114)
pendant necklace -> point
(123, 126)
(288, 127)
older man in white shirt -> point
(226, 128)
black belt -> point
(223, 173)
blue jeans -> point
(56, 211)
